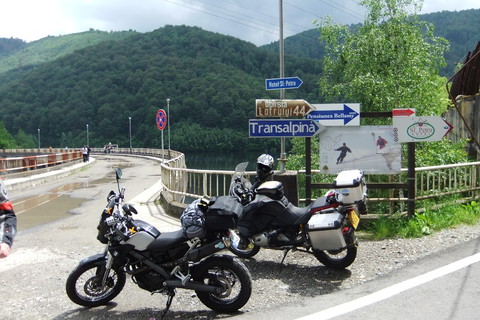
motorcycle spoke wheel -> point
(231, 275)
(337, 259)
(84, 285)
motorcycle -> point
(160, 262)
(324, 228)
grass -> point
(425, 223)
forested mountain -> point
(460, 28)
(211, 79)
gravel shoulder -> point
(32, 278)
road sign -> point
(409, 112)
(161, 119)
(283, 83)
(336, 114)
(271, 108)
(428, 128)
(292, 128)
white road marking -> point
(392, 290)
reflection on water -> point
(224, 161)
(41, 209)
(47, 212)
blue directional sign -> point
(283, 83)
(283, 128)
(335, 114)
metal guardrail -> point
(47, 158)
(431, 182)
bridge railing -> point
(15, 162)
(431, 182)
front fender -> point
(94, 258)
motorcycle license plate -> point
(354, 219)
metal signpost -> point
(161, 120)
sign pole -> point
(282, 91)
(411, 179)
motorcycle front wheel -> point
(247, 253)
(336, 259)
(84, 284)
(251, 251)
(226, 272)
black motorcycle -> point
(324, 228)
(160, 262)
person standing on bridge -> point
(8, 222)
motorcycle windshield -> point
(238, 176)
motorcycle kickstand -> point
(285, 251)
(171, 294)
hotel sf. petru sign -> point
(413, 129)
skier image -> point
(343, 152)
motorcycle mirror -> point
(118, 173)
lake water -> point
(224, 161)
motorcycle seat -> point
(167, 240)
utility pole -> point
(283, 155)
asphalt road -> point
(442, 287)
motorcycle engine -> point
(271, 238)
(146, 278)
(149, 280)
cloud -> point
(252, 20)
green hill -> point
(15, 53)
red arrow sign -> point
(403, 112)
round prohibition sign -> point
(161, 119)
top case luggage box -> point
(350, 186)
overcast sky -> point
(255, 21)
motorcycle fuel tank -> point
(272, 189)
(142, 234)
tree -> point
(391, 61)
(6, 140)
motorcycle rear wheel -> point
(336, 259)
(230, 273)
(83, 284)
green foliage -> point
(425, 223)
(391, 61)
(440, 153)
(25, 141)
(6, 140)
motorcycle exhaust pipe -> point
(197, 286)
(204, 251)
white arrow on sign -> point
(419, 129)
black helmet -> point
(264, 166)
